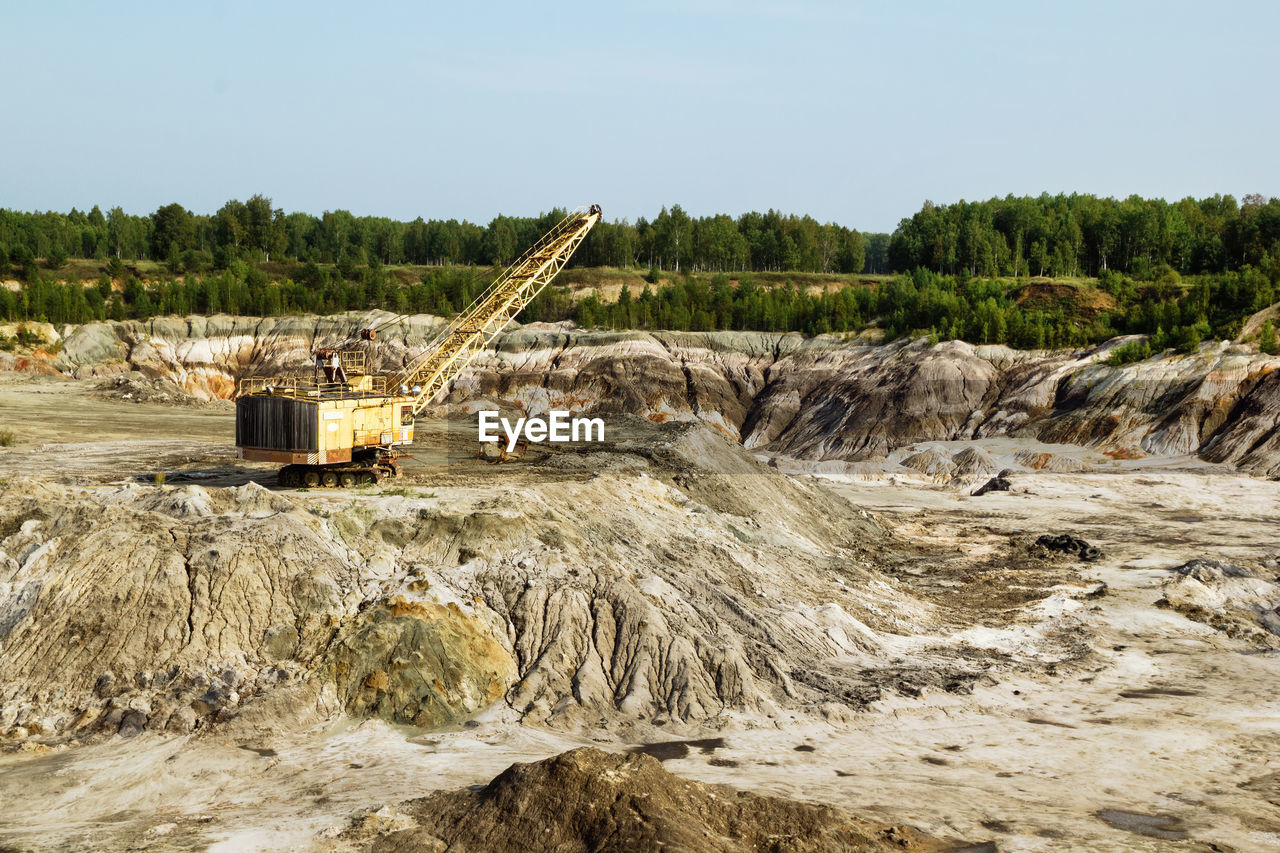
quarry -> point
(904, 596)
(694, 428)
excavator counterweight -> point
(341, 424)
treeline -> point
(243, 289)
(1069, 235)
(1061, 235)
(1178, 273)
(254, 230)
(1172, 310)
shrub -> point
(1129, 353)
(6, 438)
(1189, 337)
(1267, 339)
(197, 260)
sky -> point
(850, 112)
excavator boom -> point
(454, 348)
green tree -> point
(173, 231)
(500, 241)
(265, 227)
(1267, 339)
(673, 236)
(57, 258)
(25, 261)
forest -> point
(1174, 312)
(255, 231)
(1059, 235)
(1179, 273)
(1077, 235)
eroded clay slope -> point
(123, 608)
(815, 399)
(667, 577)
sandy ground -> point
(1147, 742)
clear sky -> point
(850, 112)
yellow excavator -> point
(341, 425)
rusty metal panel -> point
(277, 423)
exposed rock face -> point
(817, 399)
(865, 401)
(205, 356)
(592, 800)
(1249, 435)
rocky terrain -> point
(668, 578)
(959, 595)
(817, 399)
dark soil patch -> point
(1037, 721)
(667, 750)
(1152, 692)
(1164, 827)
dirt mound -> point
(1050, 295)
(1039, 460)
(998, 483)
(699, 582)
(933, 462)
(1240, 601)
(592, 800)
(973, 463)
(680, 581)
(133, 608)
(138, 388)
